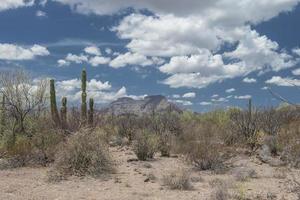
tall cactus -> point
(91, 111)
(3, 121)
(54, 111)
(83, 97)
(63, 112)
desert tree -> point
(23, 96)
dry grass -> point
(83, 154)
(178, 180)
(145, 145)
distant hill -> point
(156, 103)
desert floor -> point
(136, 180)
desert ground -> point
(139, 180)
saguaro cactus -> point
(63, 112)
(3, 121)
(54, 111)
(91, 111)
(83, 97)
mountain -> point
(156, 103)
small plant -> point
(178, 180)
(83, 154)
(165, 144)
(244, 174)
(145, 145)
(221, 190)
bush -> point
(200, 144)
(221, 190)
(178, 180)
(83, 154)
(145, 145)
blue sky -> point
(200, 54)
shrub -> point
(221, 190)
(145, 145)
(83, 154)
(178, 180)
(165, 141)
(243, 174)
(200, 144)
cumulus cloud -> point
(249, 80)
(101, 91)
(188, 34)
(286, 82)
(15, 52)
(13, 4)
(99, 60)
(62, 62)
(230, 90)
(296, 72)
(296, 51)
(128, 58)
(93, 50)
(189, 95)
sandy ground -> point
(130, 182)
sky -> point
(201, 54)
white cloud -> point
(286, 82)
(130, 59)
(249, 80)
(78, 59)
(176, 96)
(204, 27)
(101, 91)
(108, 51)
(14, 52)
(265, 88)
(99, 60)
(40, 14)
(191, 80)
(230, 90)
(227, 12)
(62, 63)
(183, 102)
(243, 97)
(92, 50)
(296, 72)
(205, 103)
(13, 4)
(296, 51)
(189, 95)
(221, 99)
(215, 96)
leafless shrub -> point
(246, 124)
(270, 121)
(83, 154)
(178, 180)
(127, 125)
(23, 97)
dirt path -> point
(131, 182)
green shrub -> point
(145, 145)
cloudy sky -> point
(201, 54)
